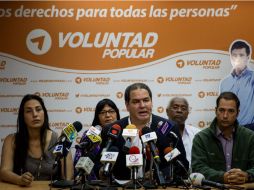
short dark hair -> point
(136, 86)
(239, 45)
(228, 96)
(100, 105)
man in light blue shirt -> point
(241, 81)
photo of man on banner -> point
(241, 81)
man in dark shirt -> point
(138, 101)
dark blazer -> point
(120, 171)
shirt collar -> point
(146, 125)
(220, 133)
(242, 73)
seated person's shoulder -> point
(194, 129)
(10, 138)
(9, 141)
(246, 131)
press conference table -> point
(44, 185)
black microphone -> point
(164, 127)
(69, 133)
(89, 142)
(62, 148)
(113, 133)
(199, 179)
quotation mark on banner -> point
(38, 41)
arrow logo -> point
(38, 41)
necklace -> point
(39, 169)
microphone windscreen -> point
(109, 131)
(159, 124)
(77, 125)
(115, 129)
(134, 150)
(146, 130)
(116, 126)
(196, 178)
(98, 127)
(167, 150)
(130, 126)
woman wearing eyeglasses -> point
(106, 112)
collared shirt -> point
(243, 87)
(188, 134)
(227, 145)
(137, 142)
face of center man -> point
(139, 106)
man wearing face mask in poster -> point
(241, 81)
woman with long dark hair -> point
(25, 155)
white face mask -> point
(239, 63)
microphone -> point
(84, 165)
(113, 133)
(164, 127)
(108, 159)
(171, 153)
(62, 147)
(70, 132)
(94, 130)
(129, 133)
(89, 142)
(63, 144)
(149, 136)
(172, 134)
(199, 179)
(133, 160)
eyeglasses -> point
(104, 112)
